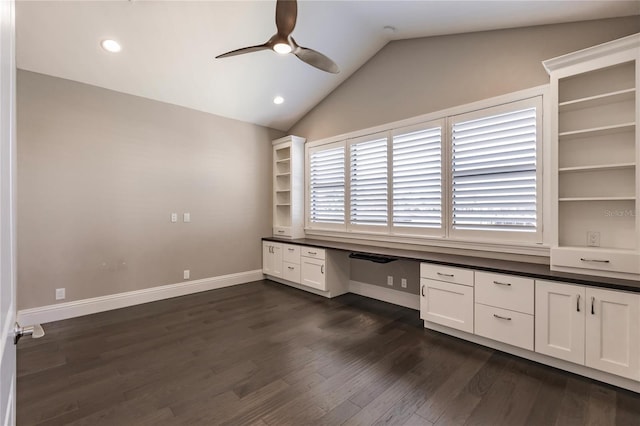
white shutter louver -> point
(369, 182)
(326, 185)
(417, 178)
(494, 172)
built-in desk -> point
(531, 270)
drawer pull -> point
(291, 249)
(280, 231)
(445, 275)
(322, 269)
(594, 260)
(593, 306)
(291, 268)
(502, 318)
(312, 253)
(578, 303)
(422, 291)
(500, 283)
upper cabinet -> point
(594, 120)
(288, 187)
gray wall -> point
(413, 77)
(99, 173)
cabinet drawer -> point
(291, 253)
(505, 291)
(447, 304)
(512, 328)
(313, 252)
(291, 272)
(596, 259)
(446, 273)
(282, 231)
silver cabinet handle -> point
(280, 231)
(500, 283)
(291, 268)
(594, 260)
(422, 291)
(593, 306)
(312, 252)
(445, 275)
(270, 249)
(503, 318)
(322, 269)
(578, 304)
(291, 249)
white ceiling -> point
(169, 46)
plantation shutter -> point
(417, 177)
(494, 171)
(326, 184)
(369, 181)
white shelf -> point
(287, 174)
(598, 167)
(598, 130)
(283, 190)
(572, 199)
(283, 204)
(592, 101)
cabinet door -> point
(559, 319)
(613, 332)
(447, 304)
(312, 273)
(272, 259)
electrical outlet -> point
(174, 217)
(390, 280)
(186, 274)
(60, 293)
(593, 239)
(403, 283)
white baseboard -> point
(396, 297)
(94, 305)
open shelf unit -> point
(595, 156)
(288, 197)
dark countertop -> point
(533, 270)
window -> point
(494, 170)
(417, 178)
(473, 177)
(368, 180)
(326, 184)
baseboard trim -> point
(94, 305)
(396, 297)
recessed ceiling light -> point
(278, 100)
(390, 30)
(111, 46)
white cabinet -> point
(594, 117)
(613, 332)
(288, 187)
(560, 326)
(591, 326)
(448, 301)
(272, 259)
(313, 273)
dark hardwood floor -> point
(266, 354)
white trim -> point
(9, 417)
(300, 286)
(94, 305)
(408, 300)
(621, 382)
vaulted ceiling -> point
(168, 47)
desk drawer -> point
(505, 291)
(447, 273)
(596, 259)
(512, 328)
(315, 253)
(291, 272)
(281, 231)
(291, 253)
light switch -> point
(186, 217)
(174, 217)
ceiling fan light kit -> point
(283, 43)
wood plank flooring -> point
(266, 354)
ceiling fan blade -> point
(286, 15)
(244, 50)
(315, 59)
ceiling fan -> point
(282, 42)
